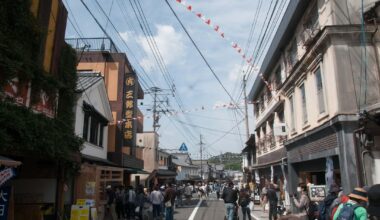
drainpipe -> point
(363, 166)
(357, 157)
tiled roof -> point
(86, 80)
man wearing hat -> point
(354, 208)
(324, 208)
(374, 202)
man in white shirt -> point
(156, 198)
(130, 197)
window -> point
(93, 125)
(320, 92)
(278, 77)
(293, 53)
(292, 113)
(303, 101)
(311, 22)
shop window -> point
(320, 91)
(303, 101)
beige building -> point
(323, 70)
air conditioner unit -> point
(280, 129)
(140, 140)
(309, 35)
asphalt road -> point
(209, 209)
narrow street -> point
(211, 209)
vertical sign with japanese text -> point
(130, 111)
(5, 195)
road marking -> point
(253, 216)
(195, 210)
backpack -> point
(244, 202)
(313, 211)
(347, 212)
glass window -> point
(303, 101)
(320, 92)
(292, 114)
(293, 53)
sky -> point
(196, 90)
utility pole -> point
(157, 92)
(246, 106)
(201, 150)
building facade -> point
(123, 89)
(323, 70)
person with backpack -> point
(325, 206)
(354, 208)
(273, 200)
(244, 200)
(230, 197)
(341, 199)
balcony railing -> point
(93, 44)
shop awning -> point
(135, 170)
(267, 165)
(166, 173)
(98, 160)
(5, 161)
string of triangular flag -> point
(218, 30)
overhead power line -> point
(203, 57)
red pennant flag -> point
(199, 15)
(249, 60)
(243, 56)
(189, 7)
(208, 21)
(239, 50)
(234, 45)
(216, 28)
(179, 1)
(222, 35)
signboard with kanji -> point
(130, 105)
(5, 195)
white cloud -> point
(170, 44)
(125, 35)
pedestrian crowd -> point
(126, 203)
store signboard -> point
(5, 195)
(129, 110)
(317, 192)
(6, 175)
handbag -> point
(137, 210)
(168, 204)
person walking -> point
(188, 194)
(110, 212)
(156, 198)
(325, 206)
(119, 198)
(244, 200)
(230, 197)
(140, 200)
(354, 208)
(169, 199)
(264, 198)
(273, 200)
(130, 197)
(374, 202)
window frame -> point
(318, 71)
(305, 116)
(292, 110)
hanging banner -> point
(5, 195)
(329, 172)
(6, 175)
(257, 178)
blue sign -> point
(183, 147)
(5, 195)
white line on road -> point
(195, 210)
(253, 216)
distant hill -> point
(231, 161)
